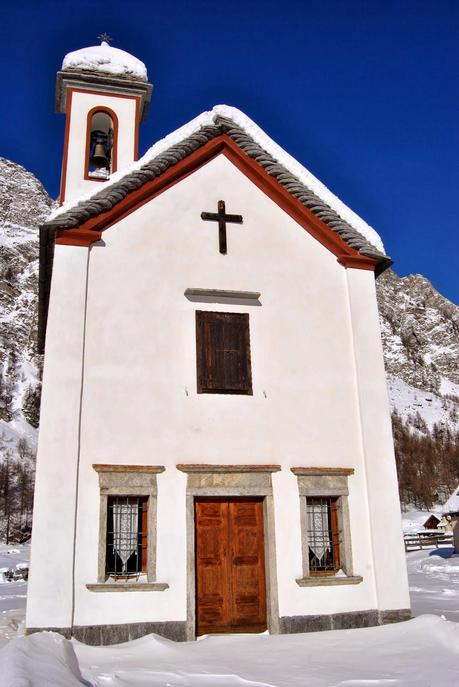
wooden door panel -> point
(248, 608)
(212, 564)
(230, 567)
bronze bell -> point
(99, 153)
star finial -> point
(104, 38)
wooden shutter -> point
(223, 353)
(144, 534)
(335, 533)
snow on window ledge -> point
(99, 174)
(328, 580)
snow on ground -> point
(423, 652)
(42, 660)
(389, 655)
(18, 428)
(408, 400)
(413, 520)
(12, 594)
(448, 387)
(434, 583)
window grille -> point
(323, 536)
(126, 536)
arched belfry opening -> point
(105, 93)
(101, 144)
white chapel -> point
(215, 449)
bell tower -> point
(105, 94)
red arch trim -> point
(114, 118)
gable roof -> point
(246, 139)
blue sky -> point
(364, 94)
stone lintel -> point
(221, 293)
(128, 587)
(101, 467)
(205, 467)
(223, 488)
(322, 472)
(328, 580)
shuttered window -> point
(223, 353)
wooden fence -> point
(427, 540)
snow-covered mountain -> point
(24, 204)
(420, 334)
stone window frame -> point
(326, 482)
(232, 481)
(128, 480)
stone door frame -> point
(232, 481)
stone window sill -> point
(328, 581)
(128, 587)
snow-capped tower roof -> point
(102, 68)
(104, 59)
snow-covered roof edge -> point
(244, 122)
(105, 59)
(452, 504)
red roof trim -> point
(90, 231)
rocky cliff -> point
(420, 335)
(24, 204)
(420, 332)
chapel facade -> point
(215, 449)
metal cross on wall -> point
(222, 218)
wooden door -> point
(230, 566)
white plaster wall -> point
(140, 404)
(319, 396)
(49, 598)
(82, 103)
(385, 517)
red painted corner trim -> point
(360, 262)
(77, 237)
